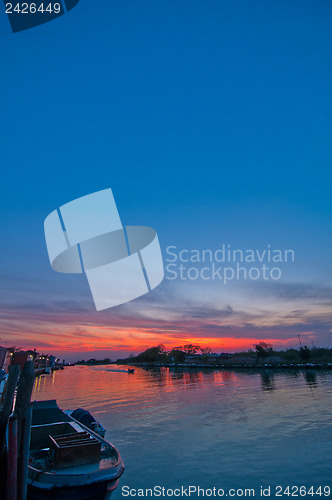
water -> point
(223, 429)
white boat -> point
(67, 459)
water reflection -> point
(160, 380)
(168, 423)
(311, 378)
(268, 382)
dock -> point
(15, 421)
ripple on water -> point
(213, 428)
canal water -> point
(229, 430)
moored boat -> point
(67, 459)
(3, 380)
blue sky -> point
(211, 122)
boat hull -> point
(96, 491)
(64, 463)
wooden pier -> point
(15, 424)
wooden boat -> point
(67, 459)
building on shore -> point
(20, 357)
(6, 355)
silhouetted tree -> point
(305, 352)
(191, 349)
(263, 349)
(205, 350)
(176, 356)
(152, 355)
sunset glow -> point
(221, 143)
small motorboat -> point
(131, 370)
(68, 460)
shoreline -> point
(287, 366)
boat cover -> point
(83, 416)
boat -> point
(68, 460)
(84, 417)
(3, 381)
(131, 370)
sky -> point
(211, 121)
